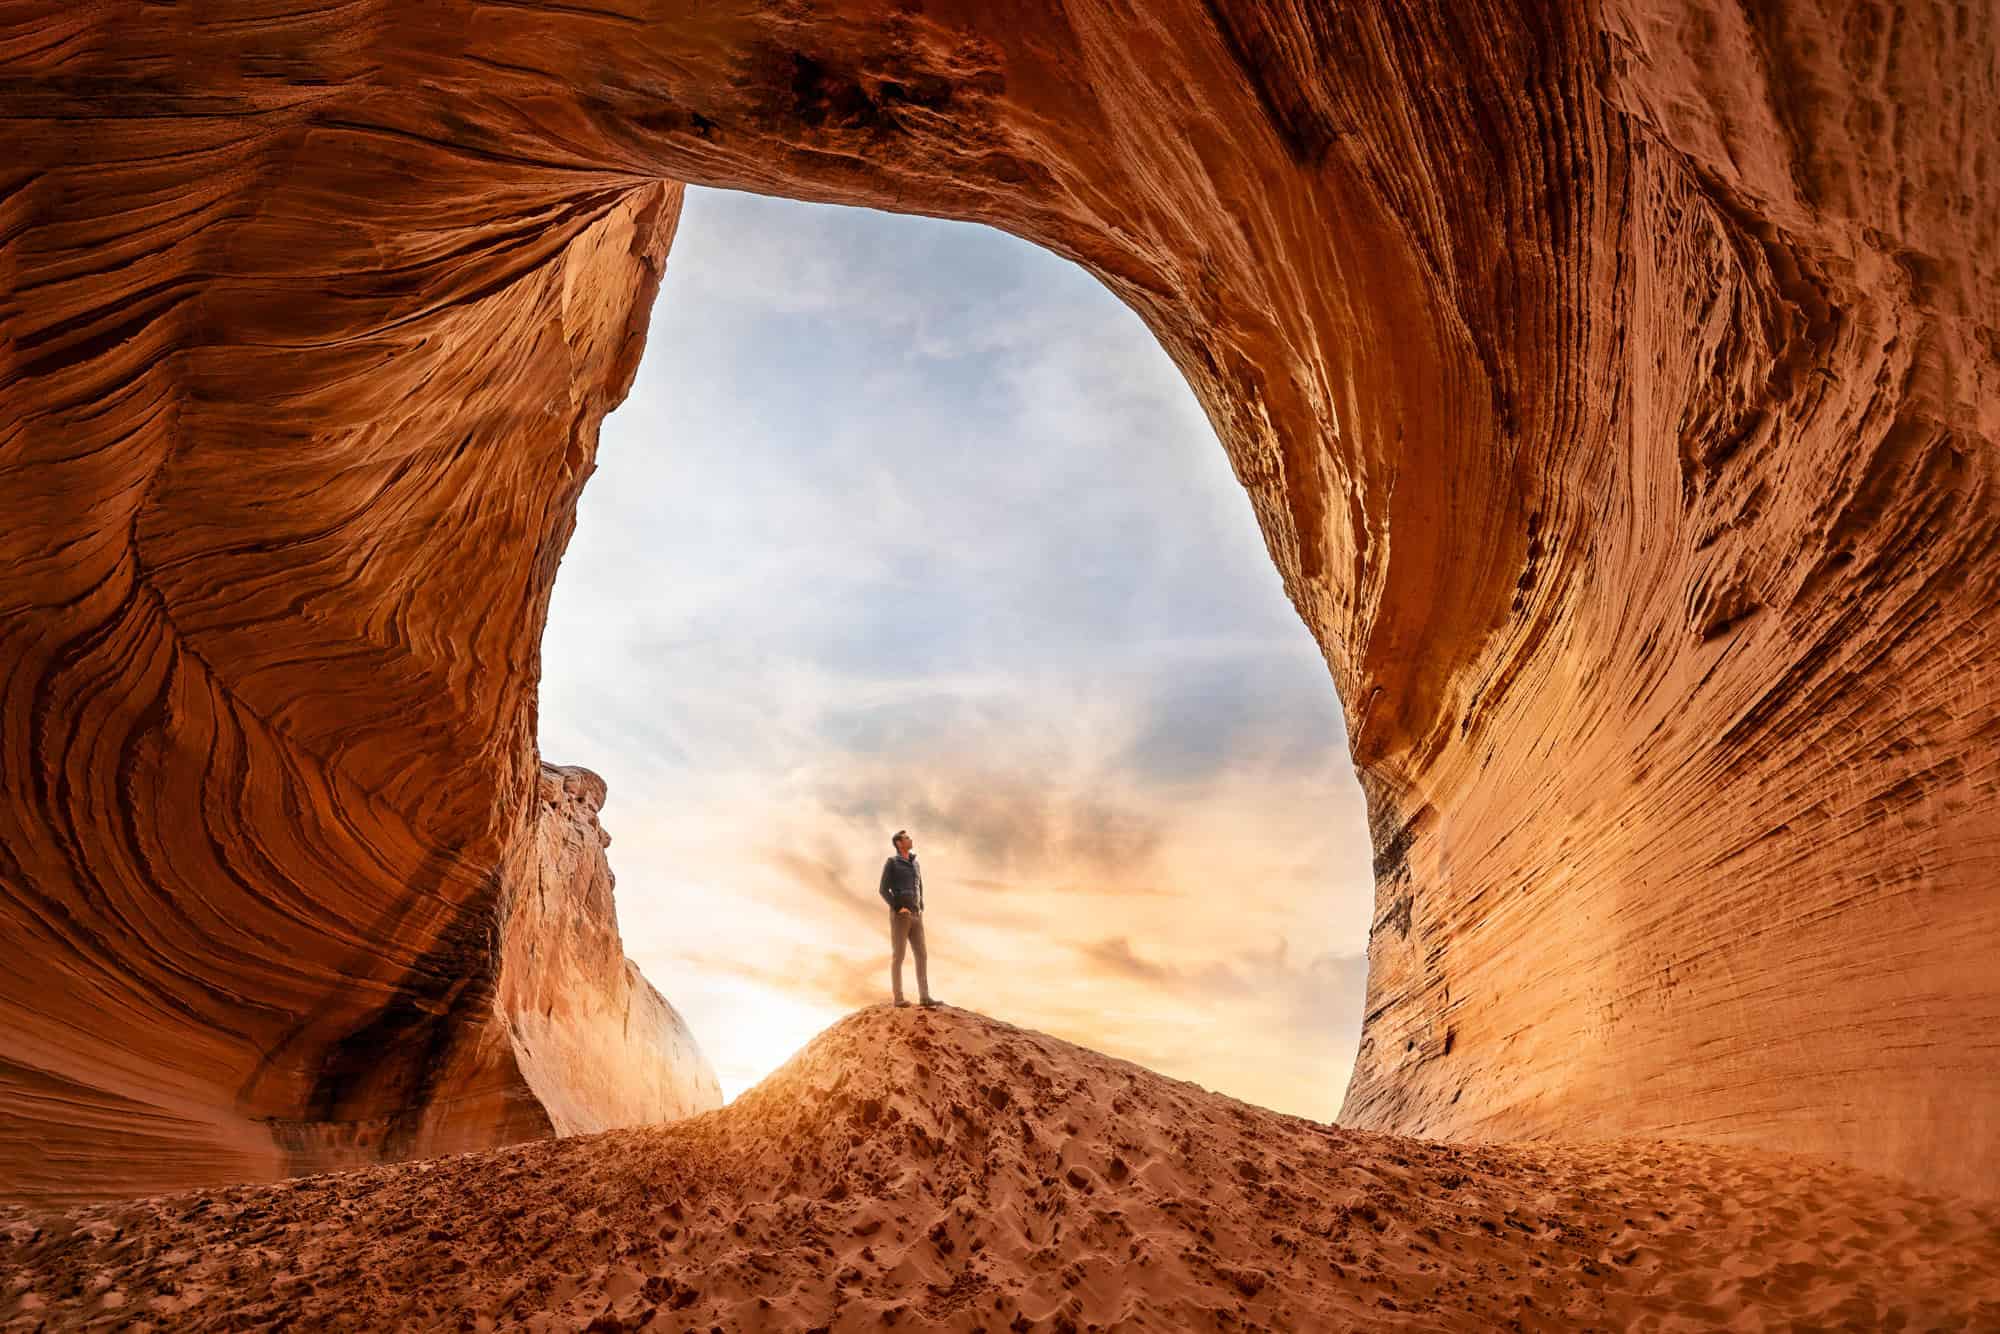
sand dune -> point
(940, 1170)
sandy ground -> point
(938, 1170)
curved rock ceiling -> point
(1615, 386)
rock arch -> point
(1615, 386)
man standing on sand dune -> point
(903, 891)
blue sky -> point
(910, 523)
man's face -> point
(904, 844)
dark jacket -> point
(903, 883)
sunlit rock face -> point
(526, 1020)
(1615, 386)
(595, 1044)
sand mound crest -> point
(939, 1170)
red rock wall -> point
(1615, 385)
(279, 550)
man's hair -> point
(898, 836)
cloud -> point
(830, 876)
(1017, 826)
(1115, 956)
(1313, 995)
(1322, 998)
(909, 524)
(843, 981)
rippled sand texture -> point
(940, 1170)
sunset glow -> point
(911, 524)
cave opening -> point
(909, 522)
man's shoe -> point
(930, 1002)
(902, 1004)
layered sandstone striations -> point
(536, 1023)
(285, 883)
(940, 1171)
(1615, 385)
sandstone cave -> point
(1615, 386)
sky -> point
(911, 524)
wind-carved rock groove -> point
(1615, 387)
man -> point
(903, 890)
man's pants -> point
(909, 928)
